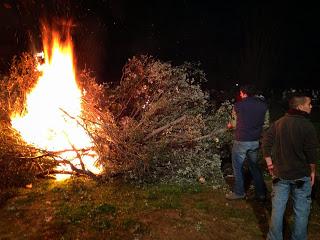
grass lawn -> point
(84, 209)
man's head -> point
(300, 102)
(247, 91)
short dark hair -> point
(296, 100)
(249, 89)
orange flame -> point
(53, 107)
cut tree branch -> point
(211, 135)
(80, 171)
(222, 130)
(158, 130)
(54, 153)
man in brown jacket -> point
(290, 150)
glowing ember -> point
(54, 106)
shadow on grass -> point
(261, 210)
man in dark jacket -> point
(250, 114)
(290, 150)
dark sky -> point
(270, 45)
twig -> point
(79, 156)
(129, 99)
(84, 127)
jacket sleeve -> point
(266, 123)
(311, 144)
(268, 141)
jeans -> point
(301, 196)
(241, 151)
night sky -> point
(270, 45)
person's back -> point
(293, 134)
(250, 114)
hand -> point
(229, 126)
(271, 170)
(270, 165)
(313, 173)
(312, 176)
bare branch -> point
(158, 130)
(80, 171)
(222, 130)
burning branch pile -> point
(14, 88)
(19, 163)
(153, 126)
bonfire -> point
(153, 125)
(52, 118)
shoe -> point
(234, 196)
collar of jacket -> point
(297, 112)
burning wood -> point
(46, 122)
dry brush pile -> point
(156, 125)
(19, 162)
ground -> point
(84, 209)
